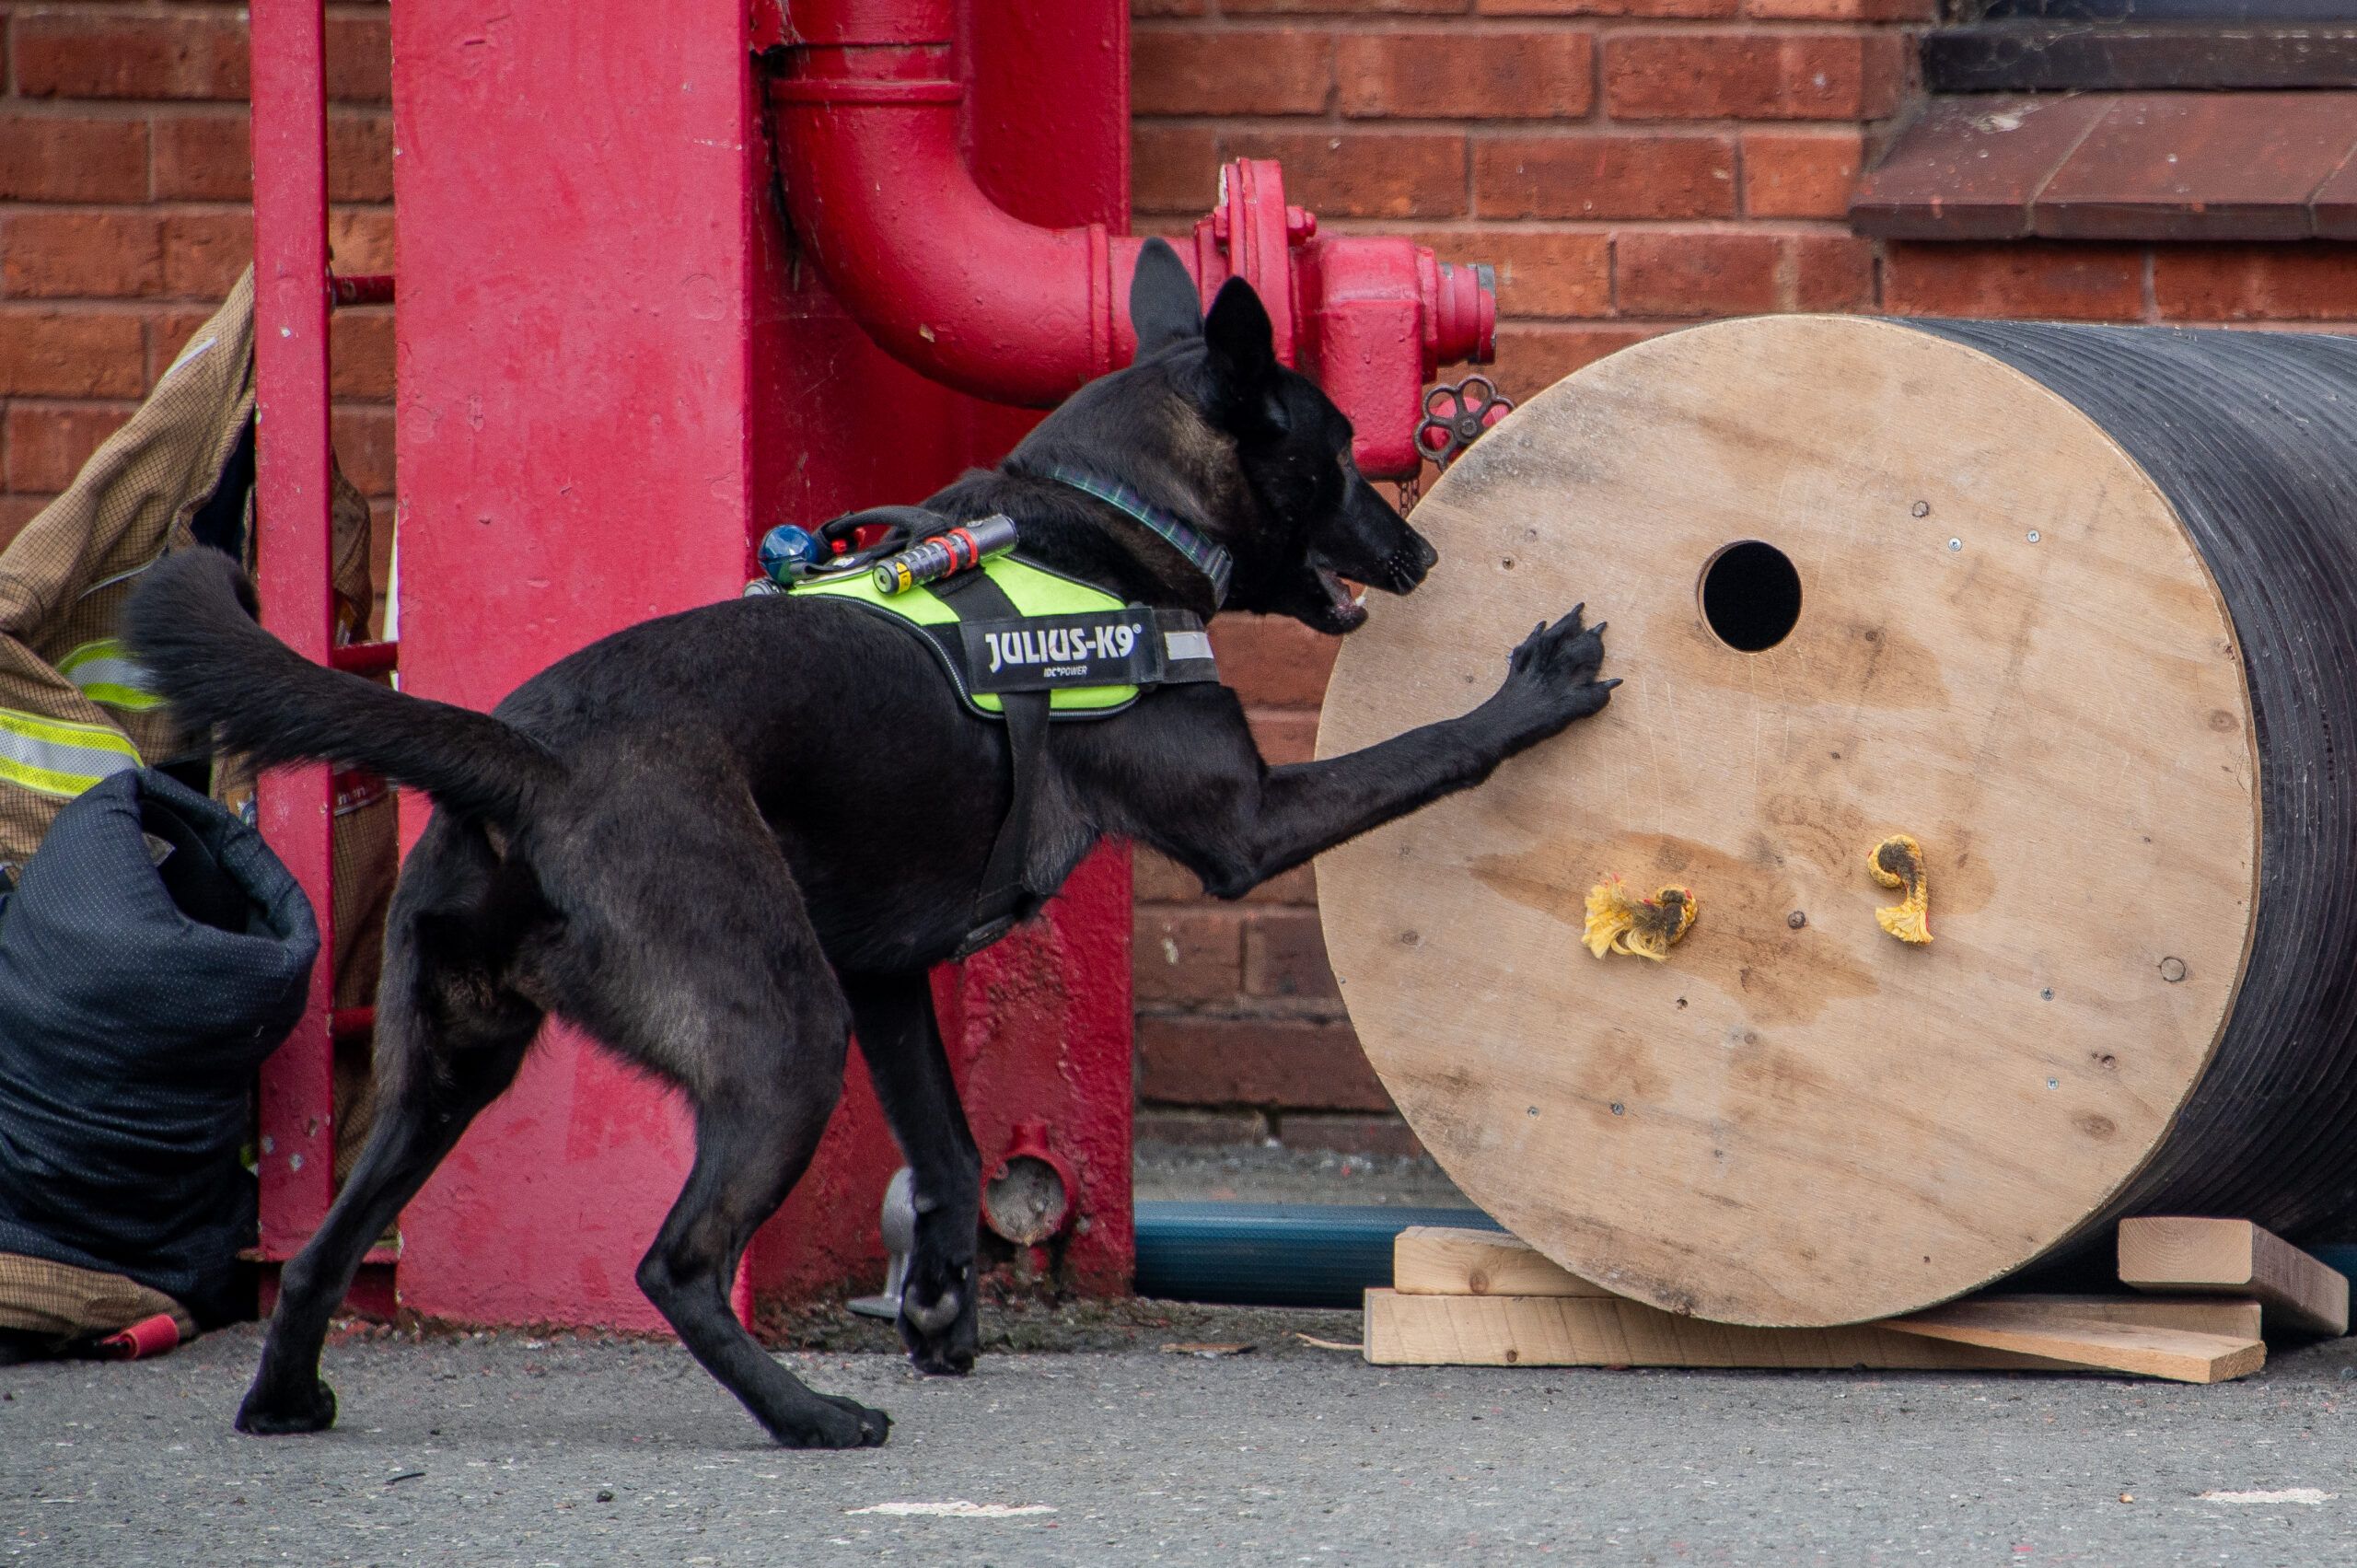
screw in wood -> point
(1797, 919)
(2172, 969)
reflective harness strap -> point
(974, 597)
(59, 758)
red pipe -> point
(942, 278)
(869, 113)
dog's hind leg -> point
(690, 953)
(449, 1040)
(892, 1017)
(752, 1142)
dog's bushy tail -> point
(192, 623)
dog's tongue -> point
(1347, 611)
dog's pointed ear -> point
(1244, 349)
(1162, 306)
(1243, 357)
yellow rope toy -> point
(1898, 862)
(1644, 928)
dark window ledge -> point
(2119, 166)
(2060, 57)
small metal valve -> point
(898, 1223)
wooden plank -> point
(1449, 1260)
(1430, 1260)
(2054, 1331)
(2204, 1256)
(1796, 1120)
(2235, 1318)
(1563, 1331)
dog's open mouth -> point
(1345, 610)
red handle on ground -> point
(149, 1336)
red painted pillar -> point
(574, 366)
(614, 372)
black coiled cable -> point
(2253, 438)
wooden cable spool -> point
(2075, 609)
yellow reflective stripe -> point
(1033, 591)
(107, 674)
(1068, 699)
(59, 757)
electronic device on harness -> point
(1021, 644)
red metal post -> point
(291, 508)
(577, 189)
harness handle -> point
(899, 525)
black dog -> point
(649, 838)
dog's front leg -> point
(1235, 822)
(892, 1019)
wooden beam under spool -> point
(2219, 1316)
(1485, 1298)
(1431, 1259)
(1542, 1330)
(2050, 1330)
(1445, 1261)
(2204, 1256)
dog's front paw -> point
(261, 1416)
(938, 1322)
(1550, 677)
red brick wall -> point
(1630, 165)
(1624, 163)
(124, 179)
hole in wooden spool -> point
(1751, 595)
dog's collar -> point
(1212, 560)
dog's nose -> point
(1412, 561)
(1405, 567)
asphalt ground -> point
(579, 1450)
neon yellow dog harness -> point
(1090, 652)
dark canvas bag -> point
(154, 952)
